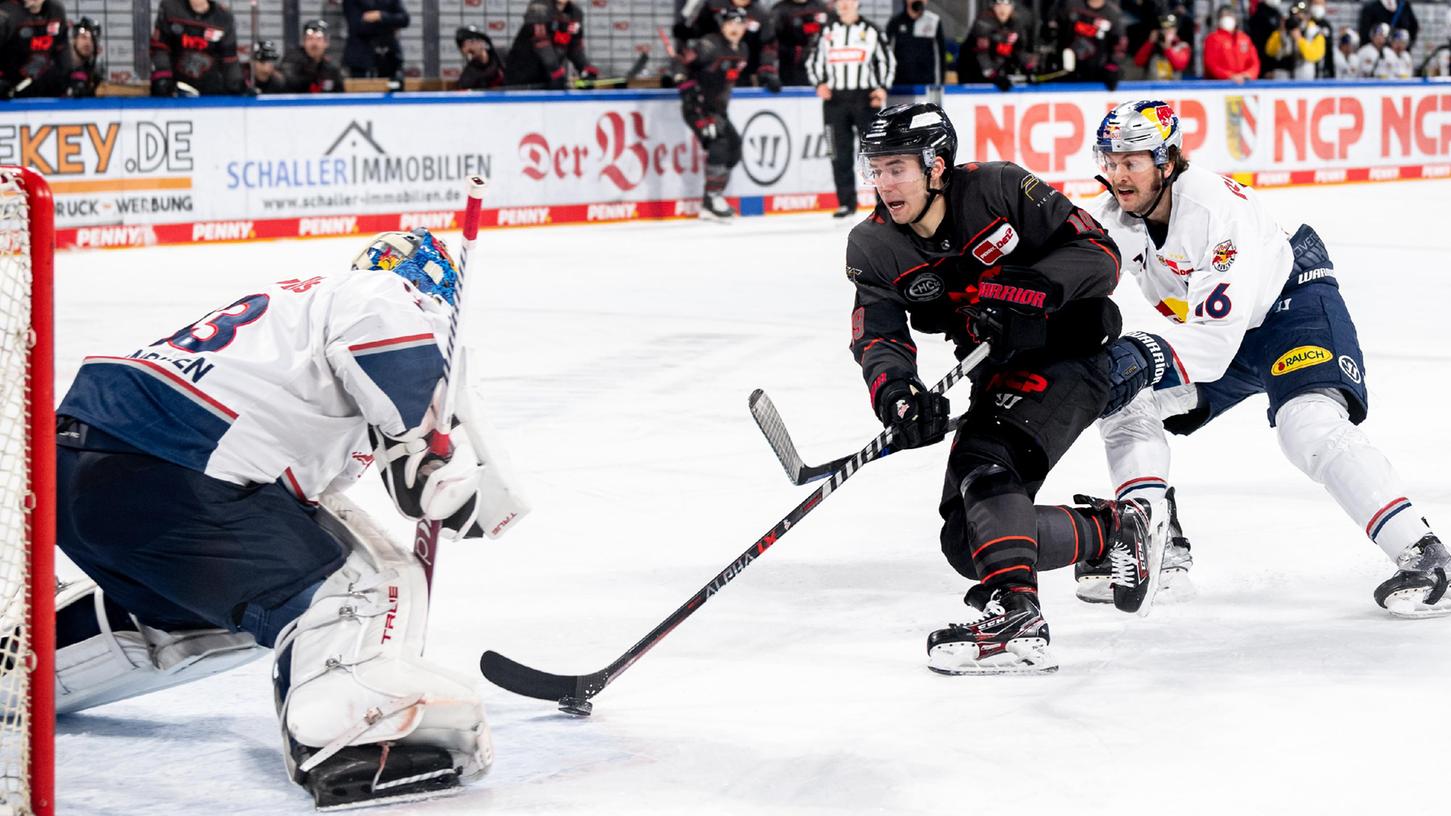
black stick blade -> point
(520, 679)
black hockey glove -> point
(1002, 81)
(1011, 312)
(163, 86)
(771, 81)
(1136, 362)
(916, 416)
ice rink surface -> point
(616, 361)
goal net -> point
(27, 489)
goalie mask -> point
(418, 258)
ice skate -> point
(1009, 636)
(1175, 586)
(1418, 589)
(1138, 533)
(714, 207)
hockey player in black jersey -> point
(194, 43)
(987, 252)
(797, 24)
(706, 72)
(760, 40)
(34, 51)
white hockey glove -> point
(470, 498)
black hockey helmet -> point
(315, 26)
(89, 26)
(266, 51)
(468, 32)
(733, 13)
(920, 128)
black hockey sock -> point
(716, 177)
(1067, 535)
(1002, 530)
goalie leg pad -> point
(350, 675)
(111, 657)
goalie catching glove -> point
(464, 491)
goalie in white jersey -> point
(1248, 310)
(198, 487)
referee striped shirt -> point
(852, 57)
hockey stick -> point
(636, 68)
(774, 429)
(573, 691)
(425, 535)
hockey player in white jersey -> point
(199, 481)
(1247, 310)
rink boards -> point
(134, 172)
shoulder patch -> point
(1224, 253)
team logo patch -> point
(1351, 370)
(992, 248)
(1300, 357)
(1224, 253)
(924, 287)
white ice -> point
(617, 363)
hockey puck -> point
(576, 706)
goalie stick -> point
(426, 534)
(573, 691)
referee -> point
(852, 68)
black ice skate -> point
(1418, 589)
(844, 211)
(1095, 577)
(1138, 533)
(1009, 636)
(714, 207)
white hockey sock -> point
(1316, 435)
(1137, 449)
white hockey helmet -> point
(1143, 125)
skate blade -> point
(1096, 591)
(1024, 656)
(1409, 606)
(712, 218)
(1175, 587)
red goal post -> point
(27, 494)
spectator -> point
(307, 68)
(551, 39)
(34, 50)
(1398, 58)
(266, 78)
(852, 69)
(1140, 21)
(1370, 60)
(1347, 64)
(1394, 13)
(797, 24)
(918, 45)
(1163, 55)
(996, 47)
(482, 69)
(1298, 45)
(1091, 40)
(1438, 62)
(194, 50)
(1325, 69)
(1228, 52)
(87, 70)
(1266, 19)
(760, 41)
(373, 49)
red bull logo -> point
(1224, 253)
